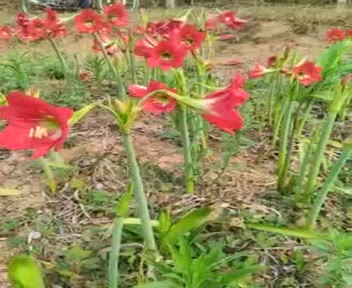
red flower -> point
(116, 14)
(218, 108)
(257, 72)
(143, 48)
(166, 55)
(271, 61)
(31, 30)
(335, 35)
(220, 113)
(53, 26)
(6, 32)
(307, 73)
(231, 21)
(158, 103)
(190, 36)
(33, 124)
(88, 21)
(233, 92)
(349, 33)
(211, 23)
(166, 28)
(37, 29)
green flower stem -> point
(59, 55)
(303, 120)
(24, 6)
(201, 127)
(113, 272)
(321, 196)
(132, 65)
(142, 204)
(187, 152)
(48, 172)
(116, 74)
(186, 143)
(319, 154)
(279, 114)
(304, 166)
(285, 130)
(291, 143)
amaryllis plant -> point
(148, 64)
(298, 86)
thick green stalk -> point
(319, 154)
(291, 144)
(138, 188)
(116, 74)
(132, 66)
(285, 130)
(279, 115)
(303, 120)
(48, 172)
(321, 196)
(201, 75)
(187, 152)
(59, 55)
(299, 183)
(113, 272)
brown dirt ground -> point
(95, 141)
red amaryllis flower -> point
(211, 23)
(33, 124)
(335, 35)
(271, 61)
(167, 55)
(307, 73)
(143, 48)
(88, 21)
(53, 25)
(220, 113)
(348, 34)
(257, 72)
(31, 30)
(231, 21)
(233, 92)
(190, 37)
(116, 14)
(158, 103)
(6, 32)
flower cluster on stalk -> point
(336, 34)
(305, 72)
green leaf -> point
(78, 115)
(124, 202)
(299, 233)
(157, 284)
(164, 223)
(193, 220)
(24, 272)
(9, 192)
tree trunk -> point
(170, 4)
